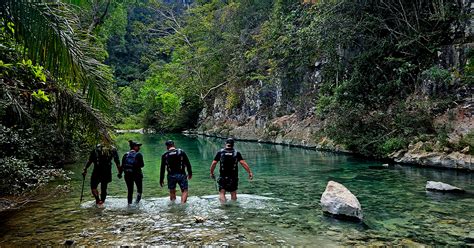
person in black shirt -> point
(176, 162)
(101, 156)
(228, 171)
(132, 164)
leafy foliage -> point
(363, 64)
(52, 86)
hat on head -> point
(133, 143)
(169, 143)
(230, 141)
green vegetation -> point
(52, 89)
(369, 70)
(380, 84)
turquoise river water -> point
(279, 207)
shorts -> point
(181, 179)
(229, 184)
(95, 180)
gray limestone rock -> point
(439, 186)
(338, 201)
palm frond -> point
(71, 102)
(46, 30)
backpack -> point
(103, 155)
(179, 153)
(228, 162)
(130, 160)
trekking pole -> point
(82, 191)
(215, 183)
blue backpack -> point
(130, 161)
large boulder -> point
(439, 186)
(338, 201)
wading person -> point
(176, 162)
(228, 172)
(132, 164)
(101, 156)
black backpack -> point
(102, 155)
(176, 152)
(130, 161)
(228, 162)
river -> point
(279, 207)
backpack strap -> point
(181, 159)
(222, 152)
(235, 157)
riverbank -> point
(414, 156)
(42, 189)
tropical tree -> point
(49, 34)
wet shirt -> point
(228, 167)
(175, 163)
(139, 164)
(102, 159)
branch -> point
(98, 20)
(212, 89)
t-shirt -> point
(228, 167)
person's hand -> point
(84, 172)
(189, 177)
(161, 184)
(213, 176)
(250, 175)
(119, 175)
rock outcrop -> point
(338, 201)
(452, 160)
(439, 186)
(265, 114)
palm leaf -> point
(71, 102)
(49, 35)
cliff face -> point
(259, 118)
(265, 113)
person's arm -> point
(214, 163)
(244, 164)
(117, 161)
(123, 161)
(213, 167)
(140, 162)
(188, 166)
(84, 171)
(162, 170)
(89, 162)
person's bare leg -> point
(222, 196)
(172, 194)
(233, 195)
(95, 193)
(184, 196)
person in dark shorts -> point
(176, 162)
(132, 164)
(228, 172)
(101, 156)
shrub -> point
(15, 176)
(393, 144)
(437, 74)
(468, 141)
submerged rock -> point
(338, 201)
(439, 186)
(199, 219)
(69, 242)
